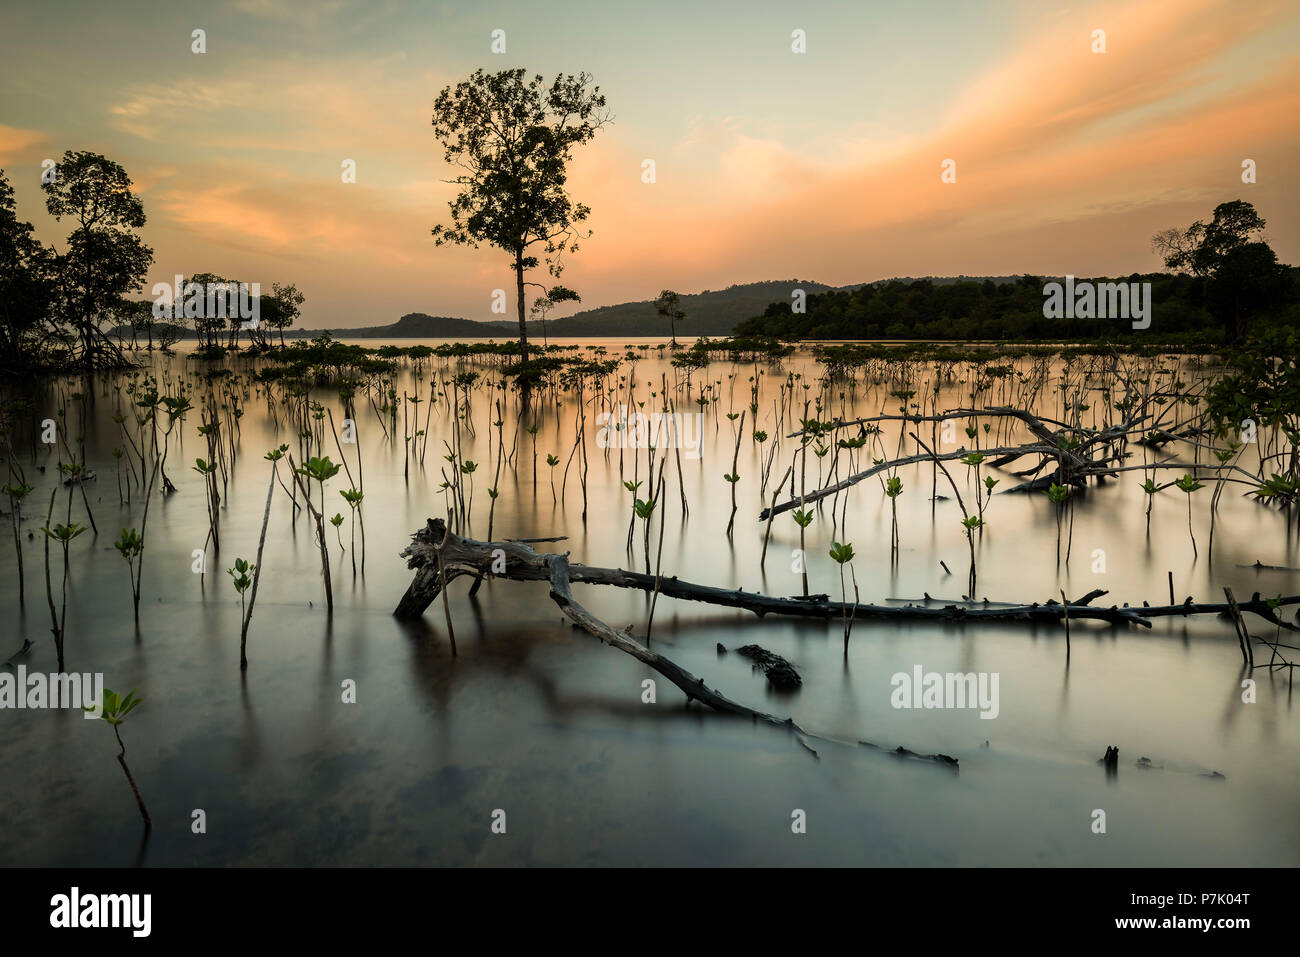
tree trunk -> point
(523, 325)
(524, 385)
(465, 556)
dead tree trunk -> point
(464, 556)
(461, 556)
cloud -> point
(1054, 142)
(1065, 158)
(17, 143)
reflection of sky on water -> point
(548, 724)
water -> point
(548, 725)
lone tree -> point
(282, 307)
(668, 305)
(513, 137)
(548, 301)
(105, 259)
(1241, 273)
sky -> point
(769, 164)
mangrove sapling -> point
(970, 524)
(1058, 495)
(117, 467)
(353, 497)
(633, 488)
(842, 554)
(1151, 488)
(496, 479)
(1224, 456)
(1188, 485)
(239, 574)
(177, 407)
(77, 476)
(552, 461)
(16, 494)
(208, 471)
(532, 431)
(733, 477)
(130, 546)
(469, 467)
(893, 489)
(63, 534)
(989, 483)
(114, 710)
(659, 556)
(321, 470)
(973, 460)
(337, 522)
(771, 514)
(803, 520)
(273, 457)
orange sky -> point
(770, 164)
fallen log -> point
(440, 557)
(463, 556)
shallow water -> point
(547, 724)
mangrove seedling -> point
(114, 710)
(842, 554)
(970, 524)
(63, 534)
(893, 489)
(321, 470)
(353, 497)
(552, 461)
(16, 494)
(1189, 485)
(1057, 495)
(242, 579)
(803, 519)
(273, 457)
(131, 546)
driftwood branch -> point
(463, 556)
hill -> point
(708, 313)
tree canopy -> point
(512, 138)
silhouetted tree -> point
(513, 138)
(668, 305)
(26, 284)
(105, 259)
(282, 307)
(208, 325)
(548, 301)
(1242, 275)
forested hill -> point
(708, 313)
(984, 309)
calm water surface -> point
(547, 724)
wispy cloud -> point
(1065, 157)
(16, 143)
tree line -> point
(64, 307)
(1223, 280)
